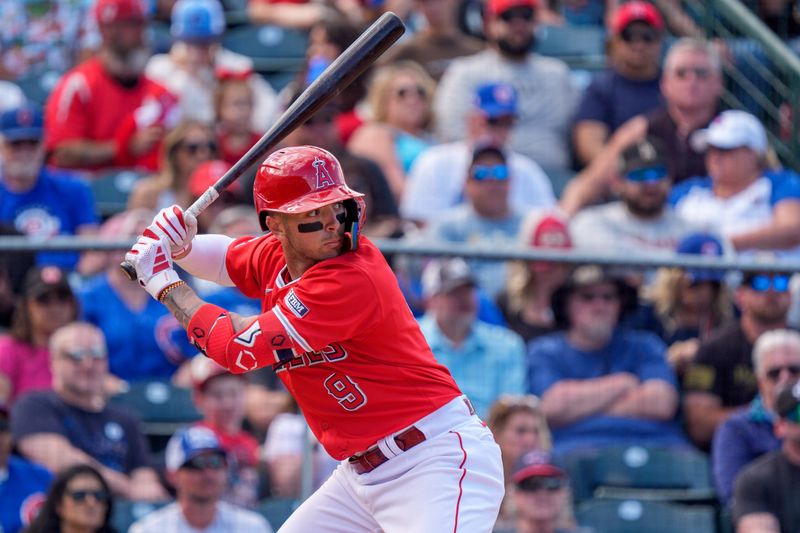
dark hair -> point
(49, 521)
(628, 297)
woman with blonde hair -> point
(398, 130)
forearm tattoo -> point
(183, 303)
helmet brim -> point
(318, 199)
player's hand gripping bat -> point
(348, 66)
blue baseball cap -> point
(22, 124)
(197, 20)
(702, 244)
(496, 99)
(188, 443)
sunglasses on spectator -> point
(505, 121)
(51, 297)
(418, 91)
(23, 143)
(774, 373)
(641, 175)
(80, 496)
(523, 13)
(701, 73)
(763, 283)
(590, 296)
(201, 462)
(195, 147)
(486, 172)
(76, 355)
(324, 120)
(645, 35)
(533, 484)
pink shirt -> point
(26, 367)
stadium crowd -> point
(452, 137)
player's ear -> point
(275, 224)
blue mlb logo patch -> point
(295, 305)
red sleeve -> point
(334, 301)
(66, 114)
(244, 262)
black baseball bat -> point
(375, 40)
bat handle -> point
(206, 199)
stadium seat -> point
(277, 510)
(272, 48)
(559, 177)
(162, 408)
(637, 516)
(580, 47)
(111, 190)
(665, 474)
(37, 87)
(126, 512)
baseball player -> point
(336, 329)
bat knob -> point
(129, 270)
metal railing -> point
(764, 74)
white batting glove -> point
(151, 259)
(177, 228)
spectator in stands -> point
(484, 359)
(486, 217)
(768, 489)
(546, 96)
(233, 109)
(749, 432)
(78, 501)
(541, 497)
(525, 301)
(22, 484)
(144, 340)
(754, 207)
(436, 180)
(188, 145)
(197, 468)
(382, 218)
(45, 40)
(439, 41)
(304, 14)
(688, 305)
(519, 427)
(38, 201)
(601, 384)
(47, 303)
(721, 377)
(220, 397)
(284, 448)
(105, 112)
(629, 87)
(203, 177)
(73, 423)
(691, 84)
(196, 59)
(642, 220)
(398, 128)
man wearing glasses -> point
(767, 490)
(749, 432)
(641, 220)
(629, 87)
(74, 424)
(721, 378)
(198, 469)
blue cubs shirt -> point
(23, 489)
(58, 204)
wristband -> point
(168, 289)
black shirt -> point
(683, 161)
(770, 484)
(723, 367)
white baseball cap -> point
(732, 129)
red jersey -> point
(87, 103)
(360, 368)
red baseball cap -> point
(206, 174)
(636, 11)
(551, 232)
(109, 11)
(496, 7)
(536, 464)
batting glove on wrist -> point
(177, 228)
(151, 259)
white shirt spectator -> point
(436, 182)
(227, 519)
